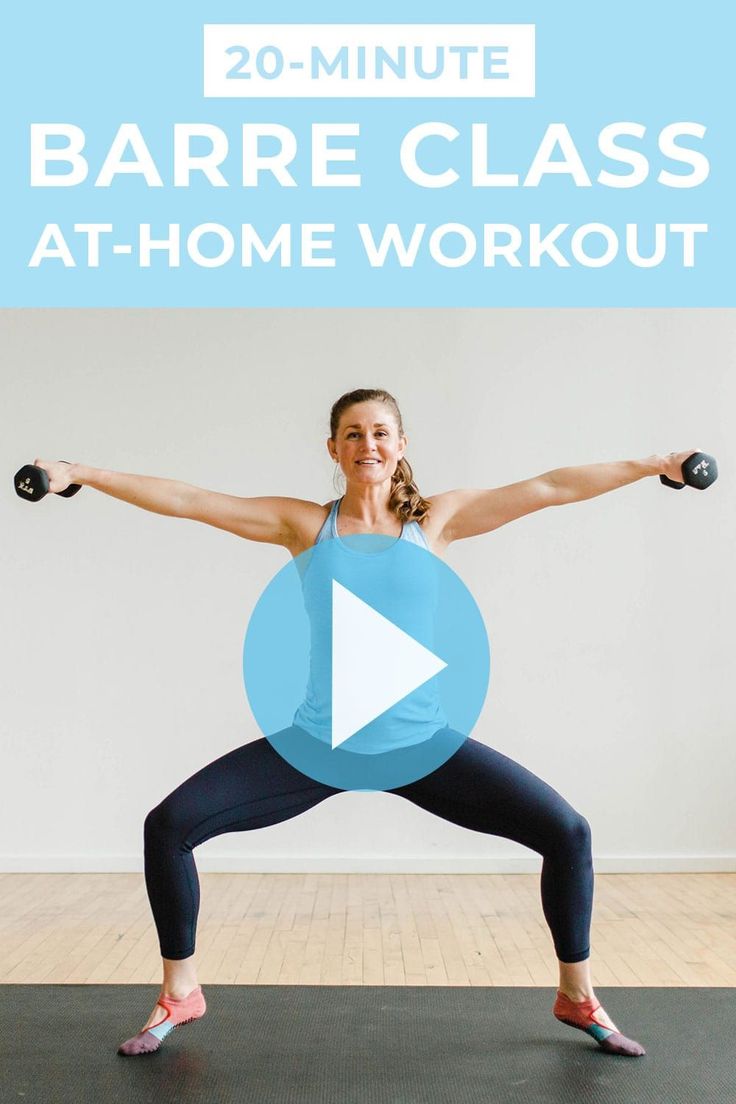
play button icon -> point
(366, 662)
(391, 664)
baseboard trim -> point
(366, 864)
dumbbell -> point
(32, 484)
(699, 471)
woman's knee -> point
(165, 821)
(574, 833)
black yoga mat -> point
(372, 1044)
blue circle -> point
(372, 597)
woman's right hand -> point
(59, 473)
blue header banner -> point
(524, 154)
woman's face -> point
(367, 445)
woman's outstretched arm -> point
(273, 520)
(469, 513)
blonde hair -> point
(405, 502)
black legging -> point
(477, 788)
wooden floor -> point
(368, 929)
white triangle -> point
(374, 664)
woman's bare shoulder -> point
(440, 508)
(433, 524)
(306, 518)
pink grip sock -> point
(178, 1012)
(582, 1014)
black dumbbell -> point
(699, 471)
(32, 484)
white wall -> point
(611, 621)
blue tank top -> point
(417, 716)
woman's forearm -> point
(162, 496)
(587, 481)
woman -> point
(477, 787)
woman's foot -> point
(159, 1012)
(591, 1017)
(170, 1011)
